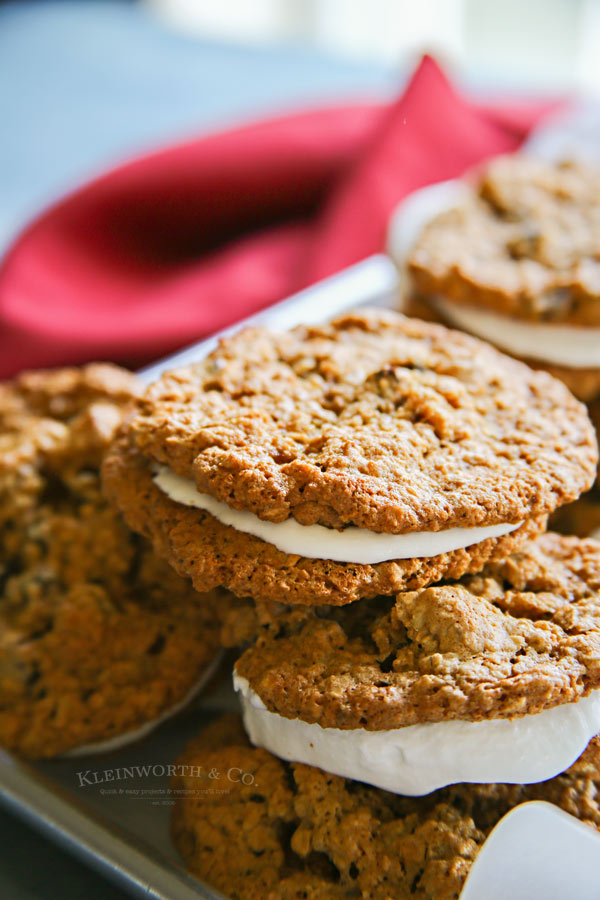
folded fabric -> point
(173, 246)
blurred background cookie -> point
(99, 638)
(518, 264)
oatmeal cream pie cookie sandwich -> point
(491, 678)
(99, 638)
(363, 457)
(286, 831)
(518, 263)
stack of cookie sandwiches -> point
(375, 492)
(518, 264)
(100, 639)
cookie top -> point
(375, 420)
(210, 553)
(526, 244)
(521, 637)
(288, 831)
(98, 636)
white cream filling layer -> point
(136, 734)
(352, 545)
(563, 345)
(419, 759)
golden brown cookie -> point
(263, 829)
(524, 246)
(98, 636)
(584, 383)
(527, 244)
(521, 637)
(374, 422)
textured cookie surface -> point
(212, 554)
(375, 420)
(292, 832)
(526, 244)
(98, 636)
(521, 637)
(584, 383)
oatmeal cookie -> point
(53, 421)
(526, 244)
(522, 251)
(520, 637)
(99, 636)
(374, 420)
(287, 831)
(200, 547)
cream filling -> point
(136, 734)
(563, 345)
(352, 545)
(418, 759)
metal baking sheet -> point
(120, 825)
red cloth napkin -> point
(173, 246)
